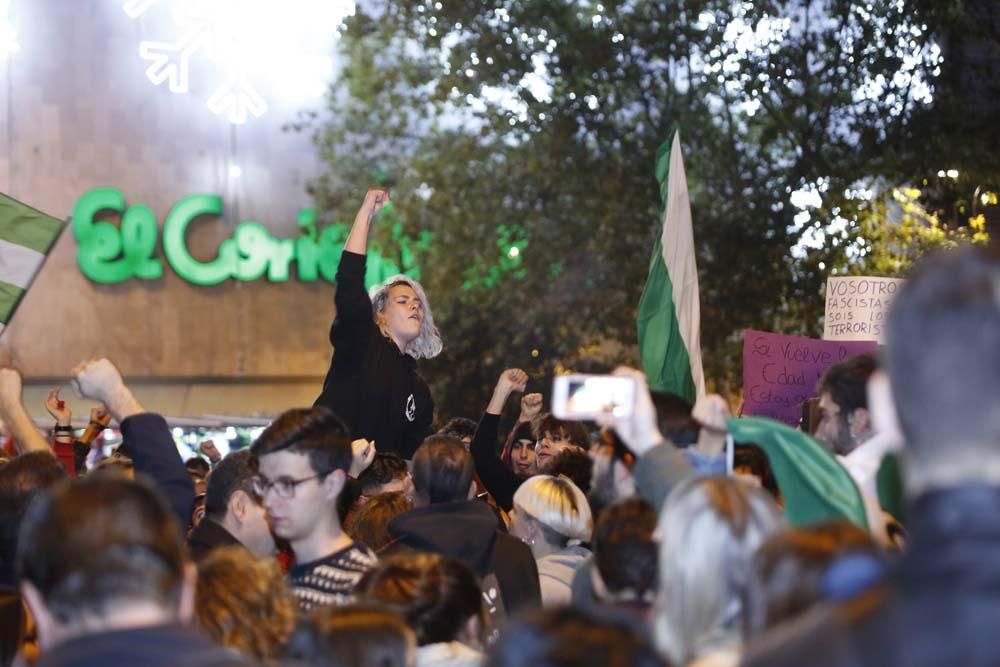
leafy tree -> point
(520, 135)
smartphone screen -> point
(590, 396)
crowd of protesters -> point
(350, 534)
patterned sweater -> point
(331, 580)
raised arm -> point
(511, 380)
(357, 240)
(659, 465)
(146, 435)
(497, 476)
(22, 429)
(354, 309)
(62, 433)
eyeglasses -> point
(283, 486)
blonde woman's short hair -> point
(244, 603)
(558, 504)
(427, 344)
(709, 530)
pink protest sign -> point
(780, 372)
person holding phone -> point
(373, 383)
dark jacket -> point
(941, 606)
(151, 446)
(496, 476)
(371, 385)
(160, 646)
(208, 536)
(467, 531)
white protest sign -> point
(857, 307)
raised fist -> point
(362, 453)
(375, 200)
(97, 379)
(531, 407)
(58, 408)
(513, 379)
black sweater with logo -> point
(371, 385)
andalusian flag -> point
(813, 484)
(26, 236)
(669, 319)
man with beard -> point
(843, 404)
(941, 603)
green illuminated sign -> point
(109, 253)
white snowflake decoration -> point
(283, 46)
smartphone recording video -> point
(585, 397)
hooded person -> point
(447, 522)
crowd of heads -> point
(404, 565)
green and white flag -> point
(26, 236)
(669, 319)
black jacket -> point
(941, 607)
(467, 531)
(160, 646)
(147, 438)
(496, 476)
(207, 537)
(371, 385)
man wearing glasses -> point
(303, 460)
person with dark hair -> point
(104, 573)
(116, 465)
(569, 637)
(461, 428)
(21, 479)
(234, 515)
(573, 463)
(36, 467)
(941, 604)
(554, 435)
(520, 455)
(625, 557)
(843, 404)
(750, 464)
(439, 598)
(500, 478)
(303, 459)
(673, 416)
(28, 473)
(659, 466)
(359, 635)
(372, 383)
(847, 428)
(387, 474)
(446, 521)
(371, 523)
(198, 468)
(611, 471)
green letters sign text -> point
(112, 254)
